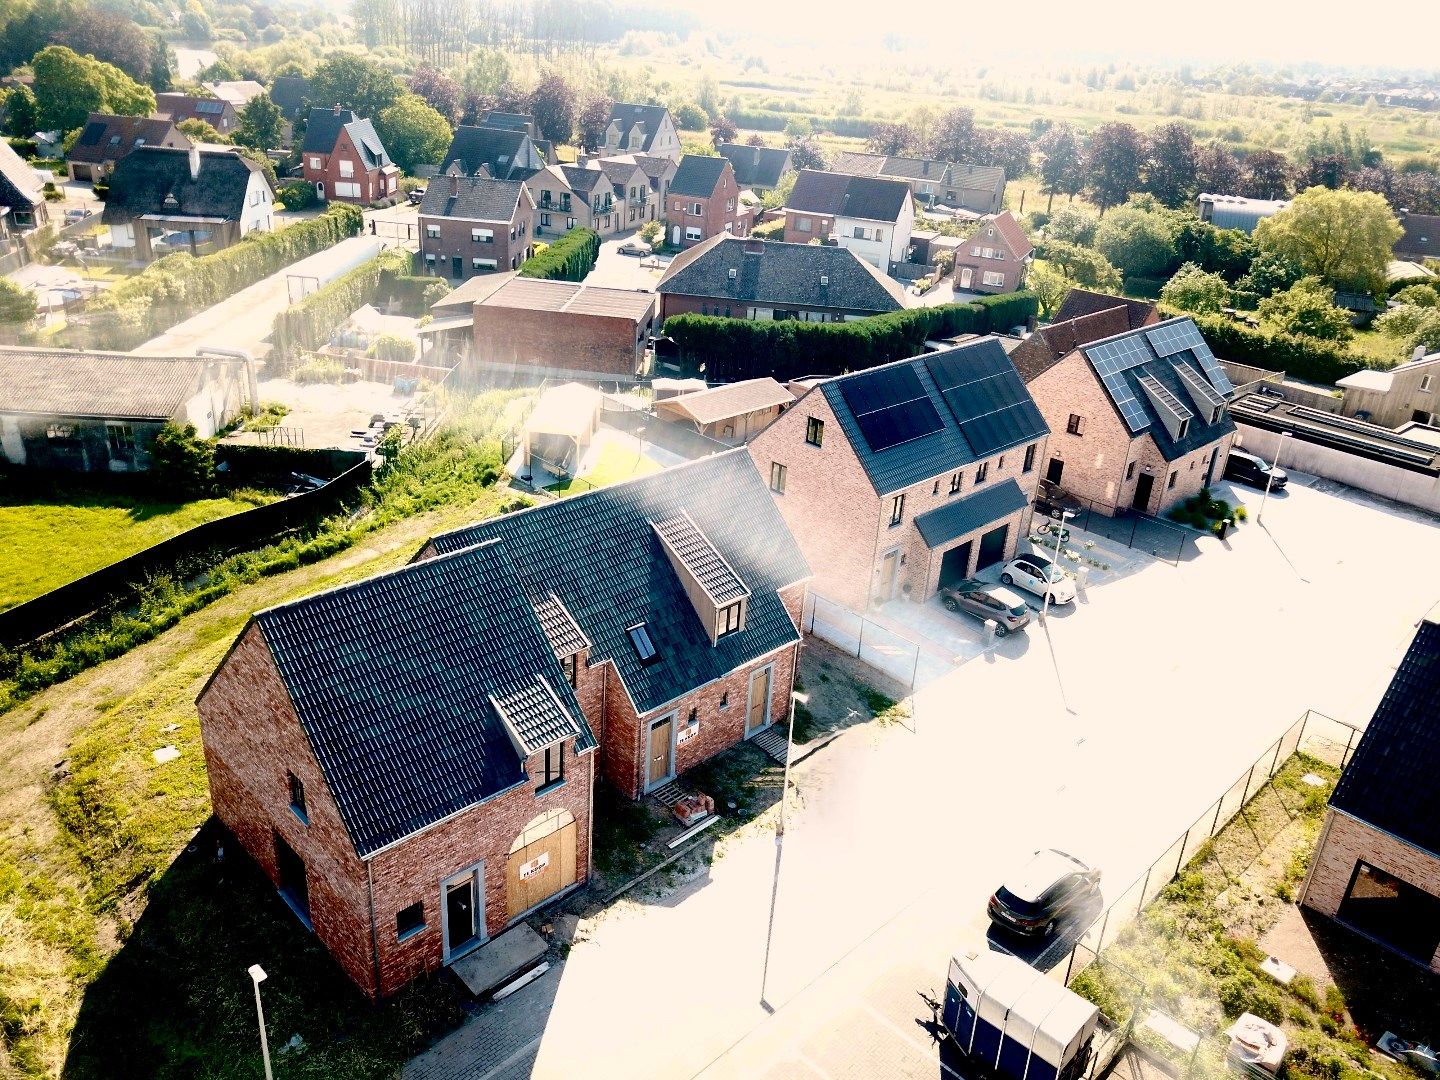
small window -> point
(777, 477)
(692, 232)
(1130, 471)
(815, 431)
(644, 647)
(1029, 459)
(1184, 428)
(297, 797)
(725, 700)
(697, 209)
(432, 232)
(315, 163)
(59, 431)
(484, 264)
(482, 236)
(121, 438)
(897, 510)
(1425, 383)
(409, 921)
(803, 224)
(1000, 464)
(860, 232)
(936, 489)
(347, 168)
(729, 620)
(1171, 483)
(571, 664)
(993, 279)
(981, 472)
(552, 767)
(954, 483)
(1075, 425)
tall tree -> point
(1061, 171)
(414, 133)
(953, 137)
(1113, 158)
(1008, 150)
(1266, 175)
(891, 139)
(1217, 170)
(1325, 170)
(440, 91)
(1171, 165)
(354, 82)
(554, 104)
(1342, 237)
(1307, 308)
(261, 124)
(20, 112)
(594, 119)
(723, 130)
(1138, 241)
(806, 153)
(69, 87)
(109, 37)
(1084, 266)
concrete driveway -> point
(616, 271)
(1175, 678)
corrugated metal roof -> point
(64, 382)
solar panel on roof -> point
(881, 388)
(1178, 337)
(1111, 359)
(1213, 371)
(984, 392)
(899, 423)
(91, 135)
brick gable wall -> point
(372, 181)
(713, 217)
(456, 239)
(549, 341)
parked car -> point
(1042, 892)
(986, 601)
(1050, 498)
(636, 246)
(76, 213)
(1252, 470)
(1039, 575)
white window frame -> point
(483, 236)
(694, 232)
(993, 278)
(347, 168)
(484, 264)
(315, 163)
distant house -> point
(630, 185)
(106, 139)
(752, 279)
(475, 225)
(1237, 212)
(870, 216)
(220, 114)
(759, 168)
(1080, 302)
(562, 329)
(100, 412)
(906, 477)
(731, 413)
(504, 153)
(1139, 419)
(291, 95)
(198, 201)
(1038, 352)
(1421, 238)
(238, 92)
(345, 159)
(1406, 393)
(996, 258)
(574, 196)
(1376, 868)
(976, 188)
(704, 201)
(641, 129)
(521, 122)
(22, 193)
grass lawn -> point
(615, 463)
(48, 542)
(1377, 349)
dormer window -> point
(729, 619)
(644, 646)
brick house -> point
(746, 278)
(106, 139)
(1376, 867)
(996, 257)
(475, 225)
(1080, 302)
(344, 158)
(871, 216)
(506, 153)
(641, 129)
(635, 200)
(758, 168)
(574, 196)
(562, 329)
(217, 112)
(909, 476)
(704, 201)
(1138, 419)
(416, 778)
(979, 189)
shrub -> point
(319, 369)
(569, 258)
(181, 463)
(17, 304)
(392, 347)
(310, 323)
(1307, 358)
(1192, 289)
(298, 196)
(768, 230)
(652, 232)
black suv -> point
(1050, 498)
(1252, 470)
(1046, 889)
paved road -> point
(1177, 677)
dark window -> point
(954, 483)
(814, 431)
(729, 620)
(1000, 464)
(936, 489)
(1171, 482)
(644, 647)
(409, 921)
(294, 886)
(725, 700)
(1130, 471)
(297, 797)
(552, 768)
(1029, 458)
(981, 472)
(571, 664)
(777, 478)
(897, 509)
(1075, 425)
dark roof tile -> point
(698, 176)
(157, 180)
(756, 166)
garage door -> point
(992, 547)
(954, 564)
(1393, 911)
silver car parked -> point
(986, 601)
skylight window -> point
(644, 647)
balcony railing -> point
(562, 205)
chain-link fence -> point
(1121, 525)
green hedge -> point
(1305, 358)
(177, 286)
(568, 259)
(310, 323)
(1146, 287)
(733, 349)
(415, 295)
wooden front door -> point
(758, 715)
(888, 566)
(661, 753)
(542, 862)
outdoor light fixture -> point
(257, 976)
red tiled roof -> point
(1083, 302)
(1013, 235)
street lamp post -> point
(1279, 446)
(257, 976)
(779, 846)
(1063, 516)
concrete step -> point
(500, 959)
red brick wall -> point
(455, 239)
(551, 339)
(370, 181)
(714, 217)
(820, 227)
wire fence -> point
(1122, 525)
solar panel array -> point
(1111, 360)
(984, 392)
(890, 406)
(1180, 336)
(91, 135)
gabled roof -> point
(472, 198)
(1048, 345)
(756, 166)
(512, 121)
(698, 176)
(204, 107)
(406, 683)
(322, 132)
(953, 174)
(99, 385)
(107, 137)
(573, 297)
(649, 117)
(598, 553)
(157, 180)
(619, 170)
(985, 504)
(839, 195)
(290, 93)
(654, 167)
(1010, 231)
(1421, 236)
(727, 401)
(19, 186)
(780, 274)
(1079, 302)
(1390, 782)
(496, 148)
(580, 180)
(932, 414)
(239, 92)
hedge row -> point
(773, 120)
(310, 323)
(1305, 358)
(732, 349)
(568, 259)
(177, 286)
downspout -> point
(252, 386)
(374, 939)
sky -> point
(1396, 33)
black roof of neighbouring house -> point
(290, 93)
(1421, 238)
(650, 117)
(107, 137)
(496, 148)
(697, 176)
(157, 180)
(599, 554)
(774, 273)
(476, 198)
(1080, 302)
(872, 198)
(403, 683)
(756, 166)
(323, 129)
(1390, 783)
(19, 186)
(932, 414)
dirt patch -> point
(841, 692)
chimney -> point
(753, 246)
(454, 184)
(337, 108)
(194, 162)
(1419, 353)
(824, 280)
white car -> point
(1037, 574)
